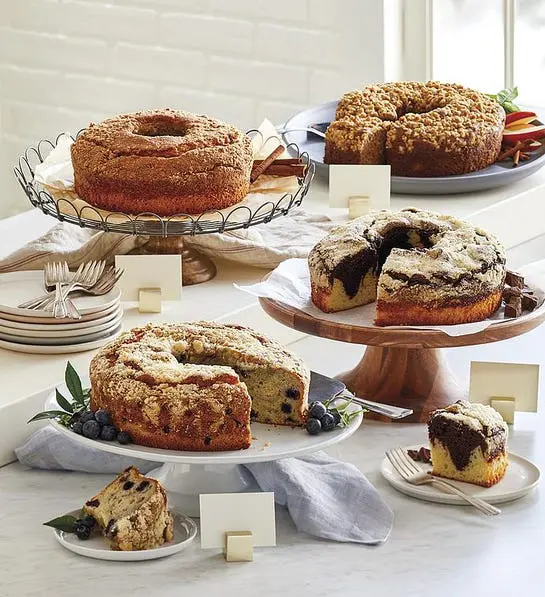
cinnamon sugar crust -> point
(162, 161)
(428, 129)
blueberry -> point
(82, 531)
(124, 438)
(91, 429)
(88, 521)
(314, 426)
(77, 427)
(317, 410)
(328, 422)
(87, 415)
(336, 416)
(103, 417)
(108, 433)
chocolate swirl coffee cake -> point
(421, 267)
(468, 443)
(195, 386)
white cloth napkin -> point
(325, 497)
(262, 246)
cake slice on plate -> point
(132, 512)
(468, 443)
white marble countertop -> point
(433, 548)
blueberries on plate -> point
(77, 427)
(317, 410)
(124, 438)
(103, 417)
(108, 433)
(88, 415)
(336, 416)
(82, 531)
(314, 426)
(88, 521)
(328, 422)
(91, 429)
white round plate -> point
(185, 530)
(272, 442)
(73, 338)
(20, 328)
(18, 287)
(50, 322)
(62, 349)
(521, 477)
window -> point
(486, 45)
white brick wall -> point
(64, 63)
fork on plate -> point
(408, 470)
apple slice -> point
(530, 132)
(520, 124)
(514, 116)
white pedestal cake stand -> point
(185, 475)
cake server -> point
(323, 388)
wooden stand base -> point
(196, 267)
(417, 378)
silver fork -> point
(62, 276)
(413, 474)
(88, 275)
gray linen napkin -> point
(325, 497)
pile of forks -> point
(93, 277)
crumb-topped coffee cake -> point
(420, 129)
(195, 386)
(468, 443)
(421, 267)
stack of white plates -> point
(29, 330)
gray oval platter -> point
(497, 175)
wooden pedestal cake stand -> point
(159, 235)
(405, 367)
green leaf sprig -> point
(63, 523)
(505, 99)
(341, 409)
(70, 409)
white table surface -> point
(446, 550)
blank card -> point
(150, 271)
(352, 180)
(222, 513)
(505, 380)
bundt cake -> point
(195, 386)
(132, 512)
(421, 267)
(468, 443)
(163, 161)
(420, 129)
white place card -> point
(150, 271)
(356, 180)
(497, 382)
(223, 513)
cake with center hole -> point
(422, 268)
(196, 386)
(132, 512)
(421, 129)
(469, 443)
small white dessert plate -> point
(51, 322)
(18, 287)
(59, 349)
(521, 477)
(65, 337)
(8, 326)
(185, 530)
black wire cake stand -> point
(163, 235)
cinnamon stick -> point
(512, 150)
(281, 162)
(262, 167)
(516, 159)
(286, 170)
